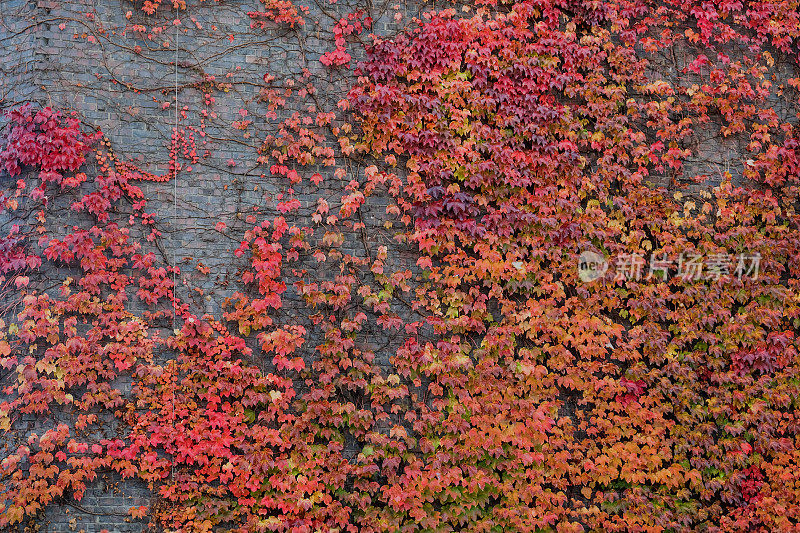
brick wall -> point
(72, 56)
(125, 92)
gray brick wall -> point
(123, 90)
(71, 55)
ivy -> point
(483, 384)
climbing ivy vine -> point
(463, 373)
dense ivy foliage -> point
(510, 139)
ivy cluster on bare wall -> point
(512, 139)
